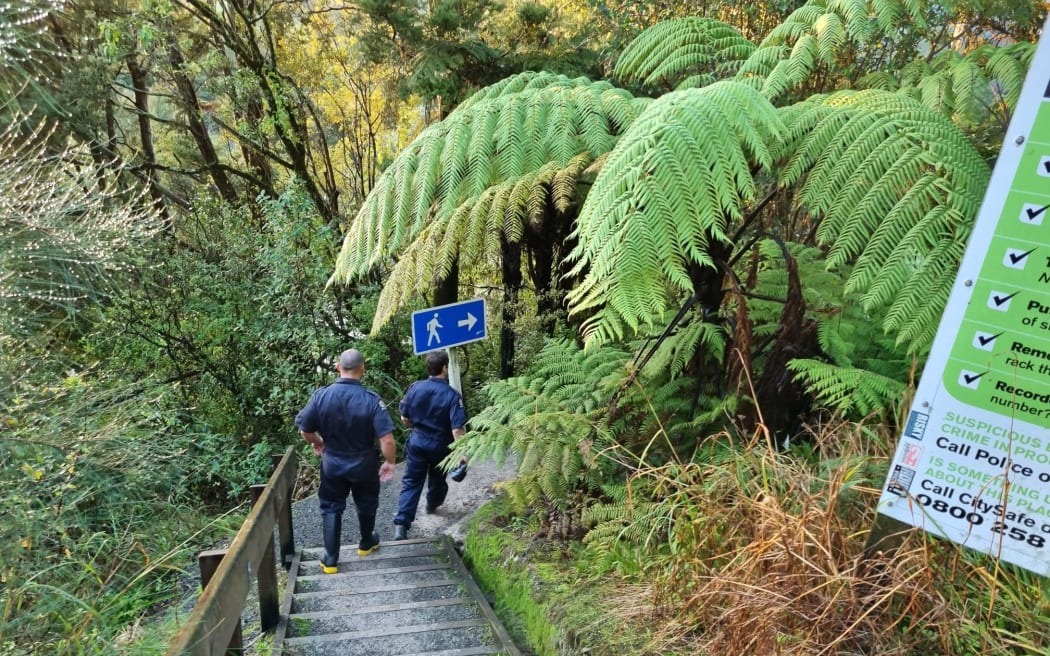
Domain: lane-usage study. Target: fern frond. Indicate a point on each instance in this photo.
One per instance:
(682, 53)
(965, 86)
(1007, 68)
(818, 33)
(896, 185)
(848, 390)
(672, 184)
(523, 130)
(676, 351)
(550, 420)
(971, 91)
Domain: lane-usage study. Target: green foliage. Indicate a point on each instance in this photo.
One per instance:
(820, 34)
(682, 53)
(864, 369)
(549, 600)
(897, 187)
(971, 88)
(89, 462)
(848, 390)
(69, 235)
(247, 354)
(675, 181)
(480, 175)
(27, 54)
(550, 421)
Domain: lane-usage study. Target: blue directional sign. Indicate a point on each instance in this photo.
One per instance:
(448, 325)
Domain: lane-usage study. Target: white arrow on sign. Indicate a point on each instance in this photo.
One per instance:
(468, 322)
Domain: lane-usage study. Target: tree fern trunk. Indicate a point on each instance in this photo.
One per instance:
(547, 244)
(510, 254)
(781, 400)
(446, 290)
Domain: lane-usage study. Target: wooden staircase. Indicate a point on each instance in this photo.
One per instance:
(408, 598)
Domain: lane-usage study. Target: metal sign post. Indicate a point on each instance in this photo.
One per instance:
(973, 463)
(455, 378)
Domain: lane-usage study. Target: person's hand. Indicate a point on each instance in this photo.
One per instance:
(386, 472)
(318, 446)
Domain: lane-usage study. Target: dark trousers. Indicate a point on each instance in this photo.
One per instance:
(343, 475)
(422, 458)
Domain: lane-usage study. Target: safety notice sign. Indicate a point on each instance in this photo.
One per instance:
(973, 463)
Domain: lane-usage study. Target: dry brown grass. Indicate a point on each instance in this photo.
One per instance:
(764, 556)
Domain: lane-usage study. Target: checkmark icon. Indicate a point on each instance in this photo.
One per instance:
(1044, 166)
(1000, 300)
(1033, 214)
(970, 379)
(985, 341)
(1015, 259)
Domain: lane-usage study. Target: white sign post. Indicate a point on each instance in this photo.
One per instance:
(973, 464)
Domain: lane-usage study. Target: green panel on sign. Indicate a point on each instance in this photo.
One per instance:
(1000, 359)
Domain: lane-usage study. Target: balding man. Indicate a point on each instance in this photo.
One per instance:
(342, 422)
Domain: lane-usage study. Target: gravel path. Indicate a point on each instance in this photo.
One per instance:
(451, 518)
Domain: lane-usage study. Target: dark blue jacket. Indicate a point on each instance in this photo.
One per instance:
(434, 409)
(348, 415)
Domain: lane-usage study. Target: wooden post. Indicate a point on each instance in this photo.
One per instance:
(266, 577)
(885, 539)
(208, 561)
(284, 518)
(214, 625)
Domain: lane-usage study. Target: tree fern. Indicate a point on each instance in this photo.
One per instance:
(677, 178)
(966, 87)
(472, 231)
(677, 350)
(853, 346)
(682, 53)
(897, 186)
(552, 421)
(818, 33)
(491, 154)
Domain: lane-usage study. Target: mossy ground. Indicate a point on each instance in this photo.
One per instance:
(536, 587)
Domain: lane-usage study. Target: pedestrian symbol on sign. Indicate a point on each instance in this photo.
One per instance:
(450, 325)
(432, 333)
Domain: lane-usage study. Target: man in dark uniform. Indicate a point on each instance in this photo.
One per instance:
(435, 413)
(342, 422)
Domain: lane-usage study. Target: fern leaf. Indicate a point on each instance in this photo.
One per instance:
(848, 390)
(521, 131)
(672, 184)
(682, 53)
(896, 185)
(819, 32)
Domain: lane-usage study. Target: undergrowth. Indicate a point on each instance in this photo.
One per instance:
(543, 596)
(747, 550)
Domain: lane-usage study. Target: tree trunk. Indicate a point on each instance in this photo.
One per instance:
(149, 156)
(546, 245)
(446, 290)
(510, 254)
(195, 123)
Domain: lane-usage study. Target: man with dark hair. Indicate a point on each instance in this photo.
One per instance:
(435, 413)
(342, 422)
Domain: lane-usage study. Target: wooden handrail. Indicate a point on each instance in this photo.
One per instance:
(216, 617)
